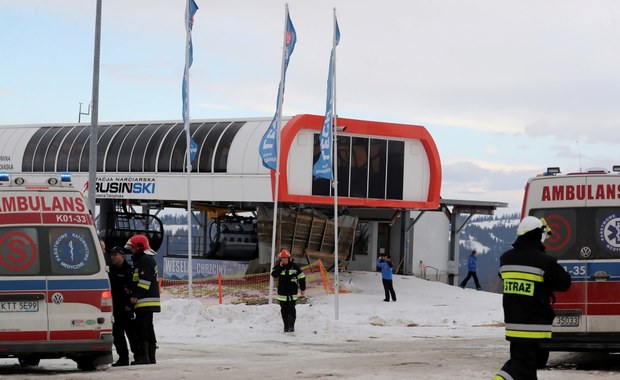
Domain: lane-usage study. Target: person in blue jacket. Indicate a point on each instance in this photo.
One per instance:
(472, 267)
(384, 263)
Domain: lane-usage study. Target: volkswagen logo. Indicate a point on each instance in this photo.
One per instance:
(57, 298)
(585, 252)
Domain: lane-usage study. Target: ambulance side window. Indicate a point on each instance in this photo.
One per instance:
(19, 252)
(72, 251)
(606, 232)
(566, 231)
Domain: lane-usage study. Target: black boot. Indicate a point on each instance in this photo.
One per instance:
(121, 363)
(152, 349)
(142, 358)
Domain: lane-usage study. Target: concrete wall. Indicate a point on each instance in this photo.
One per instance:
(430, 236)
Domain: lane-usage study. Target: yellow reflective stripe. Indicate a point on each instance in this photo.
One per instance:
(285, 298)
(522, 268)
(144, 286)
(147, 304)
(524, 288)
(502, 375)
(522, 276)
(301, 275)
(527, 327)
(528, 334)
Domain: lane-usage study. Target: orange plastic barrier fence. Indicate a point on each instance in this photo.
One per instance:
(247, 289)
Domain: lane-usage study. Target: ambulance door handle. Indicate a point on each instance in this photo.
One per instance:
(600, 276)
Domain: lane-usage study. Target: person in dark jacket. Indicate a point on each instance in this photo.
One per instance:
(121, 274)
(530, 277)
(144, 296)
(385, 265)
(472, 267)
(290, 280)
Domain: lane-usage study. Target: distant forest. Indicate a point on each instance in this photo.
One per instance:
(495, 233)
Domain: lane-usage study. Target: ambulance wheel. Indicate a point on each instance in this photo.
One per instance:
(542, 356)
(29, 362)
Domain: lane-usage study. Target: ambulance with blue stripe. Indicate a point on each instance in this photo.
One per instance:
(55, 298)
(583, 211)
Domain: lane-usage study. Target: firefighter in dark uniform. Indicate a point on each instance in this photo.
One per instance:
(144, 296)
(530, 277)
(121, 278)
(290, 280)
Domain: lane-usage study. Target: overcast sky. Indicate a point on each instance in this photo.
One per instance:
(506, 88)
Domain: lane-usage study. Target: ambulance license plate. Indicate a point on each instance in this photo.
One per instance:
(566, 321)
(19, 306)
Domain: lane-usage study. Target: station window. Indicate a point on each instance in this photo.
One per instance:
(126, 147)
(38, 164)
(52, 150)
(344, 153)
(208, 148)
(75, 154)
(223, 147)
(367, 168)
(62, 162)
(320, 186)
(114, 154)
(167, 148)
(377, 169)
(395, 169)
(29, 152)
(104, 137)
(199, 138)
(359, 167)
(144, 154)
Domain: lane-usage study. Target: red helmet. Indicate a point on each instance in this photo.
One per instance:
(139, 242)
(284, 254)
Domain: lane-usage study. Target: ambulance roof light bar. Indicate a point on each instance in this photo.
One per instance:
(552, 170)
(616, 168)
(63, 180)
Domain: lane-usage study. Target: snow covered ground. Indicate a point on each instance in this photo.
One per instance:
(434, 331)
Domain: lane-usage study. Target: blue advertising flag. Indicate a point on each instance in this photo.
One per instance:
(189, 56)
(268, 148)
(323, 167)
(189, 22)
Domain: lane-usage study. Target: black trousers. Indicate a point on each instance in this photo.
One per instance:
(388, 287)
(470, 275)
(289, 314)
(522, 362)
(145, 331)
(124, 326)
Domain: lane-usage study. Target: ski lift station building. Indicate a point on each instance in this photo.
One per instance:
(389, 182)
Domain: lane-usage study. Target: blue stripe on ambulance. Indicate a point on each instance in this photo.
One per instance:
(578, 272)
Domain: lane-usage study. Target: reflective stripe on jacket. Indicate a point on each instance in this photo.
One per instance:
(290, 280)
(145, 285)
(530, 277)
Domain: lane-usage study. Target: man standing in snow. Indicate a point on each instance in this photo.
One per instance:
(121, 274)
(530, 277)
(144, 296)
(385, 264)
(290, 280)
(472, 267)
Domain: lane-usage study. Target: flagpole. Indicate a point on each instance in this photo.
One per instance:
(277, 174)
(335, 156)
(188, 158)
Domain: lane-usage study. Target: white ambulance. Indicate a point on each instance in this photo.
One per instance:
(55, 298)
(583, 211)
